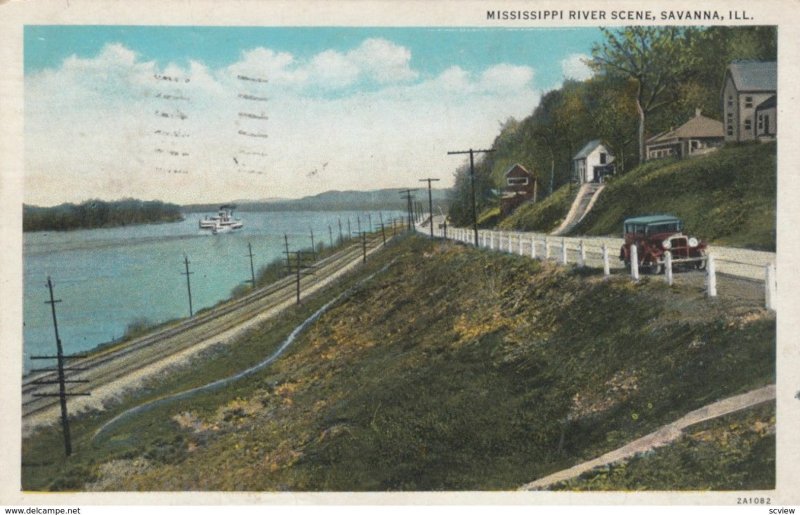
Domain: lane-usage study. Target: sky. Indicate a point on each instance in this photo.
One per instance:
(213, 114)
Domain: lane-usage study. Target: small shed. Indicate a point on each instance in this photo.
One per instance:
(767, 119)
(520, 186)
(700, 135)
(593, 163)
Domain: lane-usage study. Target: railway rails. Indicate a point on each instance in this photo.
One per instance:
(105, 366)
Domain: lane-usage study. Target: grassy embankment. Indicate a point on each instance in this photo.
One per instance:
(453, 369)
(734, 452)
(728, 197)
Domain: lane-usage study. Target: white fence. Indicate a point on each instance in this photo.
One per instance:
(596, 252)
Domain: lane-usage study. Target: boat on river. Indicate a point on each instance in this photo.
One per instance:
(223, 222)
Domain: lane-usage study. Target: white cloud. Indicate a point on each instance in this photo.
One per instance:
(94, 127)
(574, 67)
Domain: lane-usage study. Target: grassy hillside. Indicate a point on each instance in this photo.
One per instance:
(734, 452)
(544, 216)
(453, 369)
(728, 197)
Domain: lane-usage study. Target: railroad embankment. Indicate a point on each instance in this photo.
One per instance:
(452, 369)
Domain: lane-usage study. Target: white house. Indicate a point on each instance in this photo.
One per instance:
(593, 162)
(747, 84)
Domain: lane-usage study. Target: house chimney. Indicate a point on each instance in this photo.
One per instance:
(697, 111)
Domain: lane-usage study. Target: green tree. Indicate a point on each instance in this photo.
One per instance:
(654, 58)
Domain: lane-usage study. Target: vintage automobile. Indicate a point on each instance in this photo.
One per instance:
(654, 236)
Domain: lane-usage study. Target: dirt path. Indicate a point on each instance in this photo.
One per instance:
(664, 435)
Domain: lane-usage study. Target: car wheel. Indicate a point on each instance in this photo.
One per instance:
(654, 267)
(701, 265)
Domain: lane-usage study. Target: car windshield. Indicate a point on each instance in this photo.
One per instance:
(673, 226)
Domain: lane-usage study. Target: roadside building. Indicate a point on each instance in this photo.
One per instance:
(747, 85)
(700, 135)
(520, 186)
(767, 119)
(593, 163)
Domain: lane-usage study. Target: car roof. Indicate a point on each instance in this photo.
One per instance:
(652, 219)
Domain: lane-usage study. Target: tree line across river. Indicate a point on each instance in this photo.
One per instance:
(98, 213)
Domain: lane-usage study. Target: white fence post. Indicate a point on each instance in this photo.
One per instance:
(634, 263)
(606, 267)
(563, 251)
(769, 287)
(546, 248)
(491, 240)
(668, 266)
(533, 246)
(520, 244)
(582, 255)
(711, 276)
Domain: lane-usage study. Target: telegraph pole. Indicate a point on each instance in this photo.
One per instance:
(363, 235)
(369, 221)
(349, 231)
(471, 153)
(408, 196)
(300, 270)
(430, 200)
(286, 251)
(330, 235)
(340, 231)
(313, 249)
(62, 389)
(383, 229)
(252, 270)
(187, 273)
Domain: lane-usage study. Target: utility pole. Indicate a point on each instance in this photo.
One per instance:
(286, 251)
(369, 221)
(187, 273)
(358, 220)
(340, 231)
(313, 248)
(62, 388)
(408, 196)
(349, 231)
(430, 200)
(300, 270)
(330, 235)
(363, 235)
(383, 230)
(252, 270)
(471, 153)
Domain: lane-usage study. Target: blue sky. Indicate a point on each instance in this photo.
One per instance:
(373, 105)
(433, 49)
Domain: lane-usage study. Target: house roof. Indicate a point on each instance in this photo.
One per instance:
(517, 165)
(588, 149)
(754, 75)
(697, 127)
(768, 103)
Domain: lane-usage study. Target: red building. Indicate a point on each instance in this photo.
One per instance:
(520, 187)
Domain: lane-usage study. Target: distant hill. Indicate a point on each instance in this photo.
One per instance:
(335, 200)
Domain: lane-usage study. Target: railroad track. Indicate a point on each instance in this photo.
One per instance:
(106, 366)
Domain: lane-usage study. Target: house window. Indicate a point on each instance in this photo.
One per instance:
(517, 181)
(748, 101)
(602, 158)
(730, 100)
(760, 122)
(730, 115)
(730, 130)
(748, 124)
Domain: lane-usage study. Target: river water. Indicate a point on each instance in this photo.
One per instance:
(107, 278)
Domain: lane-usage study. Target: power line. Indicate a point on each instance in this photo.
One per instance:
(471, 153)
